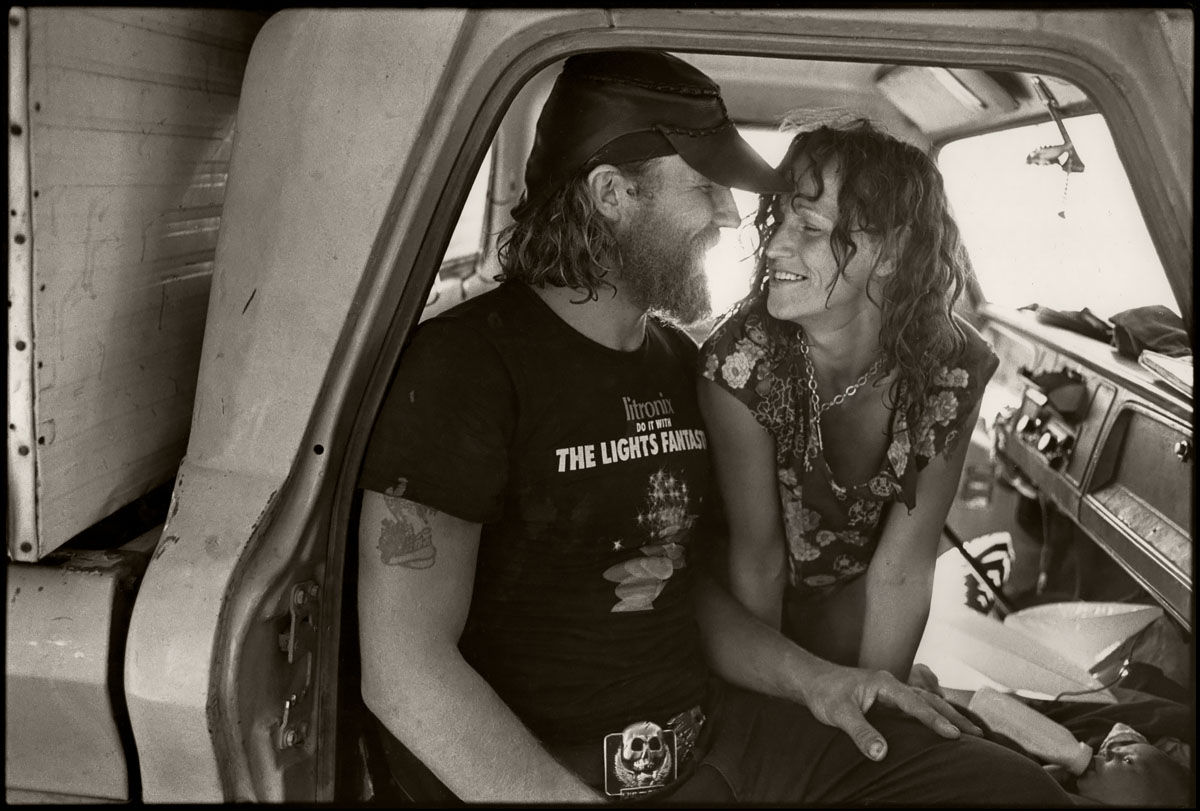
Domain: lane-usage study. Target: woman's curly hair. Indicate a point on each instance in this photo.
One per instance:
(565, 241)
(893, 191)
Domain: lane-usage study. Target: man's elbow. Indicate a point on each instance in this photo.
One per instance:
(395, 687)
(385, 699)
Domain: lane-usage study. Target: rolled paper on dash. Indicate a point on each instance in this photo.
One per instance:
(1039, 735)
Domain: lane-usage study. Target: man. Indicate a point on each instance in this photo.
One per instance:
(527, 621)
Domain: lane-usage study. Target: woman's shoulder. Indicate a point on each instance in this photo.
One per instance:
(747, 318)
(977, 358)
(952, 396)
(971, 368)
(741, 339)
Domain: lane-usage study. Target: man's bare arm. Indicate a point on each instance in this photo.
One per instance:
(416, 577)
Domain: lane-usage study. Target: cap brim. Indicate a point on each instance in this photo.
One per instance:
(726, 158)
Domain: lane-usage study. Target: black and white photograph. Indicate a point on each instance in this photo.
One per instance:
(699, 406)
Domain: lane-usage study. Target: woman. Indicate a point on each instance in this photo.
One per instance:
(840, 396)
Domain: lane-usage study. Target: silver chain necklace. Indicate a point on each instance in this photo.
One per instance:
(817, 408)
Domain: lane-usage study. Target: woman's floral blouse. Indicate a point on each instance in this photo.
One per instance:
(833, 527)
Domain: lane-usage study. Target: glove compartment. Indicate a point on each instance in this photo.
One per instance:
(1138, 501)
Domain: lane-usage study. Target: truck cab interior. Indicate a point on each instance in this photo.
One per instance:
(1082, 461)
(1067, 174)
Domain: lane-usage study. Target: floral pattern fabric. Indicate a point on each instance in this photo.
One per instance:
(832, 528)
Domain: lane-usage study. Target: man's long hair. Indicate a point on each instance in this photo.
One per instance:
(893, 191)
(566, 241)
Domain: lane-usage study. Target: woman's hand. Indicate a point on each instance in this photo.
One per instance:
(840, 696)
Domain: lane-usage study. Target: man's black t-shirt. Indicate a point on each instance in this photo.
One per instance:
(586, 467)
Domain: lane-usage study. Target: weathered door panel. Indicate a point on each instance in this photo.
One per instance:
(130, 116)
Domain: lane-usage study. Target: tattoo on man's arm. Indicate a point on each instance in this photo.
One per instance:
(406, 538)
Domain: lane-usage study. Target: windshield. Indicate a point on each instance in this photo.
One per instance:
(1034, 237)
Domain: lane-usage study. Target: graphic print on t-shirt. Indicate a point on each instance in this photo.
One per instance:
(650, 423)
(668, 510)
(665, 520)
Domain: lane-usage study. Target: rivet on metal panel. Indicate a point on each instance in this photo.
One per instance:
(298, 597)
(314, 590)
(1183, 450)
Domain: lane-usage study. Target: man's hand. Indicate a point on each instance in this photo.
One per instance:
(839, 696)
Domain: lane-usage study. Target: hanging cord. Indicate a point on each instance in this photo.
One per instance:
(1121, 673)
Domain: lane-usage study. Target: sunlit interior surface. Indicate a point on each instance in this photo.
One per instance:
(1039, 235)
(730, 265)
(1024, 225)
(1009, 213)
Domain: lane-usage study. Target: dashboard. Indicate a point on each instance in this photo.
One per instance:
(1104, 440)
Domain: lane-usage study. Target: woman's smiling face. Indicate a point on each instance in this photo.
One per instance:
(802, 268)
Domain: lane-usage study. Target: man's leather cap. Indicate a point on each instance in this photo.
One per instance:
(618, 106)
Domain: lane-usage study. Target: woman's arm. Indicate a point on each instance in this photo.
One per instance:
(746, 651)
(744, 458)
(900, 579)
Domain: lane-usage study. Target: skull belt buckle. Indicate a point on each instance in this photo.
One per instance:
(645, 757)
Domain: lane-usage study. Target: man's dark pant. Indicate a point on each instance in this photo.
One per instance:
(757, 749)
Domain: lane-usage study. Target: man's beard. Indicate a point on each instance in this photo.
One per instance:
(663, 270)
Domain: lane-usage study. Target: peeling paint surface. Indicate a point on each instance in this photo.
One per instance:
(166, 542)
(130, 136)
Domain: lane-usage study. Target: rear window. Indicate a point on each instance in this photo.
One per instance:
(468, 238)
(1039, 235)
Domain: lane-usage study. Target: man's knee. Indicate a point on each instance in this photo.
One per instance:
(1005, 776)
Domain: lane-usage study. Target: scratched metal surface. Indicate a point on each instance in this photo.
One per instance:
(60, 732)
(131, 119)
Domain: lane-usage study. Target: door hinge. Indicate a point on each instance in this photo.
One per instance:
(299, 643)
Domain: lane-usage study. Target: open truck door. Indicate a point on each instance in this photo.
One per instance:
(358, 137)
